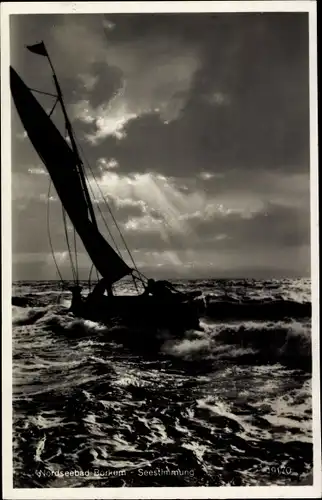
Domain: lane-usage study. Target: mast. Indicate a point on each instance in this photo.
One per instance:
(73, 143)
(63, 167)
(79, 162)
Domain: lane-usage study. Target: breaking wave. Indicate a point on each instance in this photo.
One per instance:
(227, 403)
(213, 307)
(252, 341)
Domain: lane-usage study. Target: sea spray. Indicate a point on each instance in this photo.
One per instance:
(223, 402)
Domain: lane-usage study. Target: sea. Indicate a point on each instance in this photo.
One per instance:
(228, 405)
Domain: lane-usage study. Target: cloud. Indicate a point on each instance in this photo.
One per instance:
(78, 42)
(197, 130)
(231, 94)
(257, 82)
(121, 79)
(104, 164)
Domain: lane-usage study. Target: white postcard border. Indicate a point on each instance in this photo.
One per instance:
(151, 493)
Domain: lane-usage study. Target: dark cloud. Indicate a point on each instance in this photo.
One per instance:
(216, 103)
(257, 66)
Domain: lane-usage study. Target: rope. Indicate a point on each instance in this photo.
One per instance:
(76, 257)
(68, 245)
(48, 217)
(115, 222)
(49, 236)
(74, 266)
(53, 108)
(89, 277)
(140, 275)
(111, 213)
(42, 92)
(98, 207)
(104, 221)
(135, 284)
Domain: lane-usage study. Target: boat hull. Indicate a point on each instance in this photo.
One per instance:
(172, 313)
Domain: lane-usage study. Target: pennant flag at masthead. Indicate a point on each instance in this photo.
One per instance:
(39, 48)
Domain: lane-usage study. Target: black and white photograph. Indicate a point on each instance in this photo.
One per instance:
(162, 229)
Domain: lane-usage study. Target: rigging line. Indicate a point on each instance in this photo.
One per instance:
(48, 213)
(90, 188)
(104, 221)
(76, 277)
(135, 284)
(111, 213)
(68, 245)
(49, 235)
(76, 257)
(119, 231)
(53, 108)
(41, 92)
(99, 209)
(90, 276)
(73, 143)
(66, 236)
(140, 276)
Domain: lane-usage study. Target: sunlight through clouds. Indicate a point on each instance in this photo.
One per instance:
(164, 210)
(156, 193)
(109, 119)
(196, 131)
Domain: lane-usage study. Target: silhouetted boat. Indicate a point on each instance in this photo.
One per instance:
(174, 311)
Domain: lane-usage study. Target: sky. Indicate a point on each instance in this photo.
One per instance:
(196, 127)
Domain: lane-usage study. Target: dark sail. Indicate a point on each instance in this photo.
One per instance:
(61, 164)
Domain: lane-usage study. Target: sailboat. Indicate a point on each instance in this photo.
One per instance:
(173, 310)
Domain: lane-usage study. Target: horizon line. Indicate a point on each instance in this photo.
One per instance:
(183, 278)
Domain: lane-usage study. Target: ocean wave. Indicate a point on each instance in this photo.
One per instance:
(212, 305)
(26, 315)
(256, 309)
(39, 299)
(251, 342)
(223, 402)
